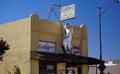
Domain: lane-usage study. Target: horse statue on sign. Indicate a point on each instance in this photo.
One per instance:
(67, 47)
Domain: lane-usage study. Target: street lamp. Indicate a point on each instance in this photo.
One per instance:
(102, 66)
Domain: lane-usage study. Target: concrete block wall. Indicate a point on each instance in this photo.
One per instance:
(17, 35)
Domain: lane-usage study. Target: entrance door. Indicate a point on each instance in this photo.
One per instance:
(47, 67)
(73, 68)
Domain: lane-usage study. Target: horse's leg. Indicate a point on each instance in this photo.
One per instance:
(64, 46)
(70, 47)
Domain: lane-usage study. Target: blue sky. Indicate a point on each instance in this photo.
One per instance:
(86, 13)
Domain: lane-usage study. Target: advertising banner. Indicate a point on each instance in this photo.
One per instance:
(76, 50)
(47, 47)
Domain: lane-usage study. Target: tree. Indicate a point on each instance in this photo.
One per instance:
(3, 48)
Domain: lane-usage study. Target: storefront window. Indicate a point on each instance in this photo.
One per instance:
(73, 68)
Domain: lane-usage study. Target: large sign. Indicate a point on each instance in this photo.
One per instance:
(67, 12)
(47, 47)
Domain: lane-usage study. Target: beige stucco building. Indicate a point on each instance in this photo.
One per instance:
(28, 36)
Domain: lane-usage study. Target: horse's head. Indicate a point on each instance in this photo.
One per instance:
(71, 30)
(66, 25)
(68, 31)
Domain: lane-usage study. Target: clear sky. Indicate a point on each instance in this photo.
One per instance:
(86, 13)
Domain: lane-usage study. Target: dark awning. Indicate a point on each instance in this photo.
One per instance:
(63, 58)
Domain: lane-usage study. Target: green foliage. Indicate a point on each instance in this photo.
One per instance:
(3, 48)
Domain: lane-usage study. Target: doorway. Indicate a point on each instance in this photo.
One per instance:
(47, 67)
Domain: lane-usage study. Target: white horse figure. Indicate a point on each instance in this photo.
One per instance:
(67, 39)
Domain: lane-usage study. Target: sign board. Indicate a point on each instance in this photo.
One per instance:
(47, 47)
(76, 50)
(50, 67)
(67, 12)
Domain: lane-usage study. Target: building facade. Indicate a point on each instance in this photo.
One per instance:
(36, 48)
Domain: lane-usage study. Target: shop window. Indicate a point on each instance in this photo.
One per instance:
(73, 68)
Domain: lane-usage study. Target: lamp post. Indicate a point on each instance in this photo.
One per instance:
(102, 66)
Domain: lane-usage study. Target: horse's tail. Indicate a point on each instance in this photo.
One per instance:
(63, 48)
